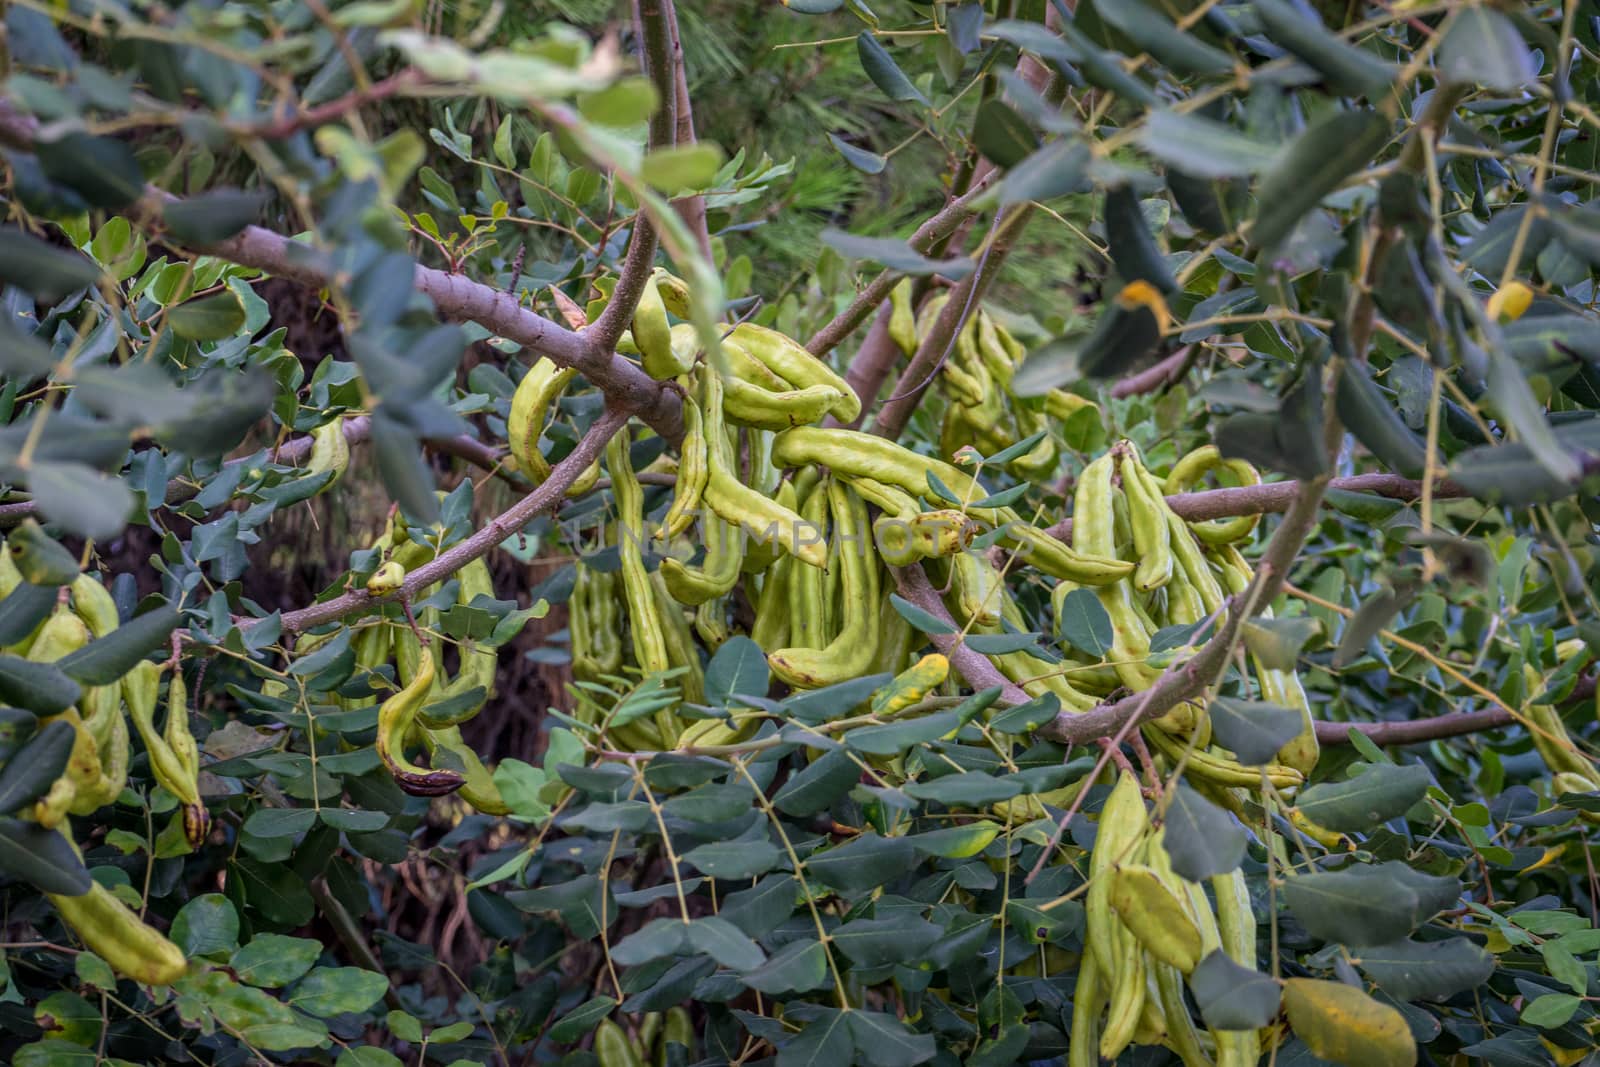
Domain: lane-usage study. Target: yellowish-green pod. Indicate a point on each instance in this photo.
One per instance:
(689, 488)
(761, 517)
(724, 549)
(853, 651)
(649, 645)
(978, 588)
(1083, 1049)
(807, 614)
(1093, 534)
(112, 931)
(447, 749)
(911, 685)
(652, 333)
(1147, 519)
(902, 317)
(330, 451)
(789, 360)
(1157, 917)
(396, 718)
(770, 630)
(681, 650)
(1188, 471)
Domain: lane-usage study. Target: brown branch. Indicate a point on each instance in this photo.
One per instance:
(870, 367)
(971, 665)
(1271, 497)
(1454, 724)
(292, 121)
(548, 495)
(1415, 731)
(656, 22)
(935, 347)
(1152, 378)
(294, 451)
(454, 296)
(935, 229)
(691, 209)
(1189, 679)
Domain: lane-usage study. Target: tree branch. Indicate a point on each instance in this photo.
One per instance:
(548, 495)
(691, 209)
(656, 22)
(935, 347)
(1415, 731)
(1272, 497)
(1152, 378)
(935, 229)
(973, 666)
(1189, 679)
(454, 296)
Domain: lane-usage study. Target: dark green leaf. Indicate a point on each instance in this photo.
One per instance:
(581, 1020)
(1085, 623)
(106, 659)
(1157, 35)
(824, 1041)
(922, 620)
(39, 687)
(734, 859)
(22, 611)
(739, 667)
(1432, 970)
(1378, 794)
(46, 272)
(817, 785)
(1002, 135)
(1133, 247)
(80, 499)
(1485, 48)
(1202, 147)
(1252, 729)
(1357, 906)
(205, 925)
(798, 967)
(1202, 840)
(895, 254)
(1370, 618)
(883, 70)
(725, 943)
(212, 216)
(863, 864)
(859, 158)
(892, 738)
(1313, 165)
(34, 770)
(1231, 996)
(884, 1041)
(1347, 70)
(103, 170)
(280, 822)
(208, 318)
(654, 940)
(876, 942)
(1055, 170)
(42, 858)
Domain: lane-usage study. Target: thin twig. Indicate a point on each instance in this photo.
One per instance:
(971, 665)
(548, 495)
(1271, 497)
(1189, 679)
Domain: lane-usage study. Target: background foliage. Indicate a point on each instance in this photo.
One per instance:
(1318, 189)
